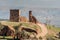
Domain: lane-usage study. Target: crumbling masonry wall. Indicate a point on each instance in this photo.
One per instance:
(14, 15)
(32, 18)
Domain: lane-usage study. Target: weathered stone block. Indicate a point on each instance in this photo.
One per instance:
(14, 15)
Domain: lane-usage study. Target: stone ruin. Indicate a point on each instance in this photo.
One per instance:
(23, 19)
(15, 17)
(32, 18)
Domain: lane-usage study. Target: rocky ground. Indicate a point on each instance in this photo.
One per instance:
(26, 30)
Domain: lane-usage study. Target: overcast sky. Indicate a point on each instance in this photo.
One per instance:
(41, 8)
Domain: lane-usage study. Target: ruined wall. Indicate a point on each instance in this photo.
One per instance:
(14, 15)
(32, 18)
(23, 19)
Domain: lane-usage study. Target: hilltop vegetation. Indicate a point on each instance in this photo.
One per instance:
(52, 30)
(17, 26)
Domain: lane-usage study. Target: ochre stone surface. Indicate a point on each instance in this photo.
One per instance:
(15, 17)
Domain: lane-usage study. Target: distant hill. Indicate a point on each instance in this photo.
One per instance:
(4, 19)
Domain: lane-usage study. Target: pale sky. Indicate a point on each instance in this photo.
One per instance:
(41, 8)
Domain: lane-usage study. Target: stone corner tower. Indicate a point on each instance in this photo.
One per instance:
(14, 15)
(30, 15)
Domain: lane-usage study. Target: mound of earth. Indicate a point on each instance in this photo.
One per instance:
(24, 29)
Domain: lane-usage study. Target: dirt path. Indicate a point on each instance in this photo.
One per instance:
(44, 30)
